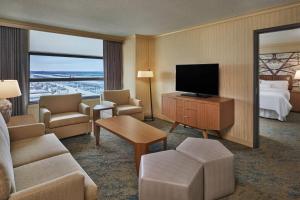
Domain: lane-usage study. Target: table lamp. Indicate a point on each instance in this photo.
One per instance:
(8, 89)
(297, 76)
(148, 74)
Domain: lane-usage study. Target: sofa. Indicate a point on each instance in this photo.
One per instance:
(123, 104)
(37, 166)
(65, 115)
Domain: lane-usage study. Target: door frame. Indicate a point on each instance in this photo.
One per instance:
(256, 34)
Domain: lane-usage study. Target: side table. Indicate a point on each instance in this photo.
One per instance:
(295, 99)
(96, 115)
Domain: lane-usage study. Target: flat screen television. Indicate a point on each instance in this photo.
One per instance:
(198, 79)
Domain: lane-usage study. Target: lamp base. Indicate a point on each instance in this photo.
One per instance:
(5, 109)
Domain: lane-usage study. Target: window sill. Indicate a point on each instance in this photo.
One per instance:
(91, 97)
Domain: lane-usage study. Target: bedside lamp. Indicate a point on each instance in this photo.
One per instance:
(297, 75)
(8, 89)
(148, 74)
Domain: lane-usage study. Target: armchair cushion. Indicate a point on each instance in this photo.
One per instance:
(34, 149)
(26, 131)
(120, 97)
(60, 103)
(128, 109)
(68, 187)
(7, 179)
(69, 118)
(49, 169)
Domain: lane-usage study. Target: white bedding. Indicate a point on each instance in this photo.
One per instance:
(274, 103)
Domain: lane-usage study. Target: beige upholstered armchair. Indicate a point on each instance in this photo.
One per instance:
(65, 115)
(123, 104)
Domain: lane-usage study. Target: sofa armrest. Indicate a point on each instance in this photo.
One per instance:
(45, 116)
(135, 102)
(26, 131)
(84, 109)
(68, 187)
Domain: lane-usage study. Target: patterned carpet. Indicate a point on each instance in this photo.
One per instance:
(270, 172)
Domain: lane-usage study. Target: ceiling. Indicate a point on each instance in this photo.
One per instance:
(280, 37)
(127, 17)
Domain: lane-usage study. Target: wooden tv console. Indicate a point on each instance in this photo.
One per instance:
(212, 113)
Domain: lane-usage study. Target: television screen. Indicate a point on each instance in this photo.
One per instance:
(202, 79)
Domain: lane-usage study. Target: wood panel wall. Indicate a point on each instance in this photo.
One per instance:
(138, 55)
(229, 43)
(129, 71)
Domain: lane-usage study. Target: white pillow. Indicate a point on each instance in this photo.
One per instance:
(280, 85)
(277, 84)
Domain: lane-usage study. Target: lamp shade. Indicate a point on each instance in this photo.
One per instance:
(9, 89)
(297, 75)
(145, 74)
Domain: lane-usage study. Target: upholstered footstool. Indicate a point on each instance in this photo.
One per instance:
(170, 175)
(217, 161)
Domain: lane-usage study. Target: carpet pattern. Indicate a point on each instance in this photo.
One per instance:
(269, 172)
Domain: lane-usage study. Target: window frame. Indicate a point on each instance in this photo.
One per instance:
(37, 53)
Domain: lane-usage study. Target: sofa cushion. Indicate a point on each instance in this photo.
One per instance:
(128, 109)
(120, 97)
(36, 148)
(61, 103)
(48, 169)
(69, 118)
(7, 179)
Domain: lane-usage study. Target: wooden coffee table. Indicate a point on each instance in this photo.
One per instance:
(140, 134)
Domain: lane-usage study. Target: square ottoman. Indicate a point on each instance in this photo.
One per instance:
(170, 175)
(218, 165)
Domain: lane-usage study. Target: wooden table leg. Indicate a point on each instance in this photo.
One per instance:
(96, 116)
(139, 150)
(165, 144)
(173, 126)
(205, 134)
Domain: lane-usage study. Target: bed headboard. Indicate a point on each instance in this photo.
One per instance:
(288, 78)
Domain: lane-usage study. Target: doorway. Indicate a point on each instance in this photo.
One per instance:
(276, 88)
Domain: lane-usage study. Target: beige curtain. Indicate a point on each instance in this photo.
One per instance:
(113, 65)
(14, 63)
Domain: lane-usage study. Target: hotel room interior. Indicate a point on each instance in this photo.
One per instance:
(149, 100)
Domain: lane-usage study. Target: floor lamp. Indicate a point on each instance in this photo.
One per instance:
(8, 89)
(148, 74)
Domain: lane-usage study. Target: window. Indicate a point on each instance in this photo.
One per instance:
(62, 64)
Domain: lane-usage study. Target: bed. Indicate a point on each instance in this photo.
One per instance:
(274, 96)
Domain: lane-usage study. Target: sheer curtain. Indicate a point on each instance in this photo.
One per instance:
(113, 65)
(14, 64)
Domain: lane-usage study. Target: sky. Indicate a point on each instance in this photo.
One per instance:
(64, 44)
(67, 44)
(50, 63)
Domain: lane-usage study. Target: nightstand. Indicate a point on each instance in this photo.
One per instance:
(295, 99)
(21, 120)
